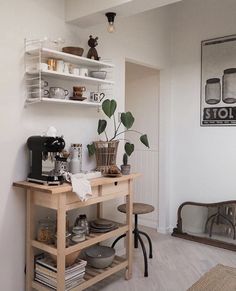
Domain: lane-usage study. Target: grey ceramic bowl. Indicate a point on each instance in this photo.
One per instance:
(100, 257)
(98, 74)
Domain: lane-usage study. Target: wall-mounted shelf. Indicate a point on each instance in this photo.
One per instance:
(49, 53)
(65, 76)
(36, 75)
(62, 101)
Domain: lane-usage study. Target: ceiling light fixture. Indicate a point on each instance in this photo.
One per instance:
(111, 17)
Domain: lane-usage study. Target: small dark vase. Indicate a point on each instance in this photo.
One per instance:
(125, 169)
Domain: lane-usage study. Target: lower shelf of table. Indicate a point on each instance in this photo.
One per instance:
(92, 275)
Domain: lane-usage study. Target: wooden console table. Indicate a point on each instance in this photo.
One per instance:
(62, 199)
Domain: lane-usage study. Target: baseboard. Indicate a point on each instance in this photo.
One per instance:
(148, 223)
(166, 230)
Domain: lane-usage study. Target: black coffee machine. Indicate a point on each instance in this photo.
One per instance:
(44, 150)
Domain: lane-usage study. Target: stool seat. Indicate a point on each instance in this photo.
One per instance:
(138, 208)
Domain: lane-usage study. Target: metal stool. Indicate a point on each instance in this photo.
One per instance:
(138, 208)
(215, 218)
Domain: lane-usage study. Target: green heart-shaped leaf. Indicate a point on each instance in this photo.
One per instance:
(109, 107)
(144, 140)
(129, 148)
(127, 119)
(102, 124)
(91, 149)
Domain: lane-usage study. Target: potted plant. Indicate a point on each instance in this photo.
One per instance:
(106, 151)
(125, 168)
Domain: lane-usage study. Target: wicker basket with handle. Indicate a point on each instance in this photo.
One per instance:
(106, 152)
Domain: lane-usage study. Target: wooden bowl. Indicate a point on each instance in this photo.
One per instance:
(70, 259)
(78, 51)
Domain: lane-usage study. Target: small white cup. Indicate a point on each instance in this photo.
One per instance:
(83, 72)
(67, 68)
(60, 66)
(75, 71)
(42, 66)
(36, 93)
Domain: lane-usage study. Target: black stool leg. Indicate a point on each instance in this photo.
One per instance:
(230, 222)
(135, 231)
(208, 219)
(211, 227)
(149, 242)
(117, 239)
(144, 256)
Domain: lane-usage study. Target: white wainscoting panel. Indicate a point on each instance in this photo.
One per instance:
(146, 187)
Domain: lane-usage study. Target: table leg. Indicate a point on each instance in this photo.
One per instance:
(99, 210)
(129, 240)
(29, 237)
(99, 205)
(61, 230)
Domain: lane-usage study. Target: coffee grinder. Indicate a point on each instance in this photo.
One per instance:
(44, 151)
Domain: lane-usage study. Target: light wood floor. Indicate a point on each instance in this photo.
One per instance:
(176, 265)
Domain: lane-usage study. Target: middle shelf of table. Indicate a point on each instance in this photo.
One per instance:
(91, 239)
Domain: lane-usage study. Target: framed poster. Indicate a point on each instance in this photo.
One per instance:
(218, 82)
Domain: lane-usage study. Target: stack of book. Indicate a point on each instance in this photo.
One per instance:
(46, 272)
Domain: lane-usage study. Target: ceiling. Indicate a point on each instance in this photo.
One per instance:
(85, 13)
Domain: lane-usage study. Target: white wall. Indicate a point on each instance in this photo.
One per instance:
(202, 159)
(144, 38)
(142, 86)
(31, 19)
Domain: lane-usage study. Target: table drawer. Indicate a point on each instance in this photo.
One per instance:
(116, 187)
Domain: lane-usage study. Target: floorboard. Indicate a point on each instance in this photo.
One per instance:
(176, 265)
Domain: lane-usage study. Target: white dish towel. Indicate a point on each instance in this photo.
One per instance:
(81, 186)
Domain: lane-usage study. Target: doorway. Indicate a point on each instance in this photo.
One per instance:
(142, 86)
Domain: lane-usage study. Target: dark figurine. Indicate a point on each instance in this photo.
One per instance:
(92, 53)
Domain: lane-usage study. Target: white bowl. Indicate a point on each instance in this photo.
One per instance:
(98, 74)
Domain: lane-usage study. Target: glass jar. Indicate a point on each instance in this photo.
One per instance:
(75, 158)
(229, 86)
(46, 230)
(81, 220)
(78, 234)
(213, 91)
(67, 239)
(61, 166)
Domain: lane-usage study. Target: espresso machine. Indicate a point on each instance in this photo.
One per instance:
(44, 151)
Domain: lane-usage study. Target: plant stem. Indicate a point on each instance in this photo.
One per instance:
(125, 139)
(106, 135)
(127, 130)
(117, 128)
(114, 123)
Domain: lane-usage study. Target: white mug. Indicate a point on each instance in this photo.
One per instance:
(67, 68)
(39, 92)
(60, 66)
(39, 84)
(83, 72)
(75, 71)
(42, 66)
(96, 97)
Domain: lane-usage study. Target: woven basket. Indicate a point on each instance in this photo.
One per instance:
(106, 152)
